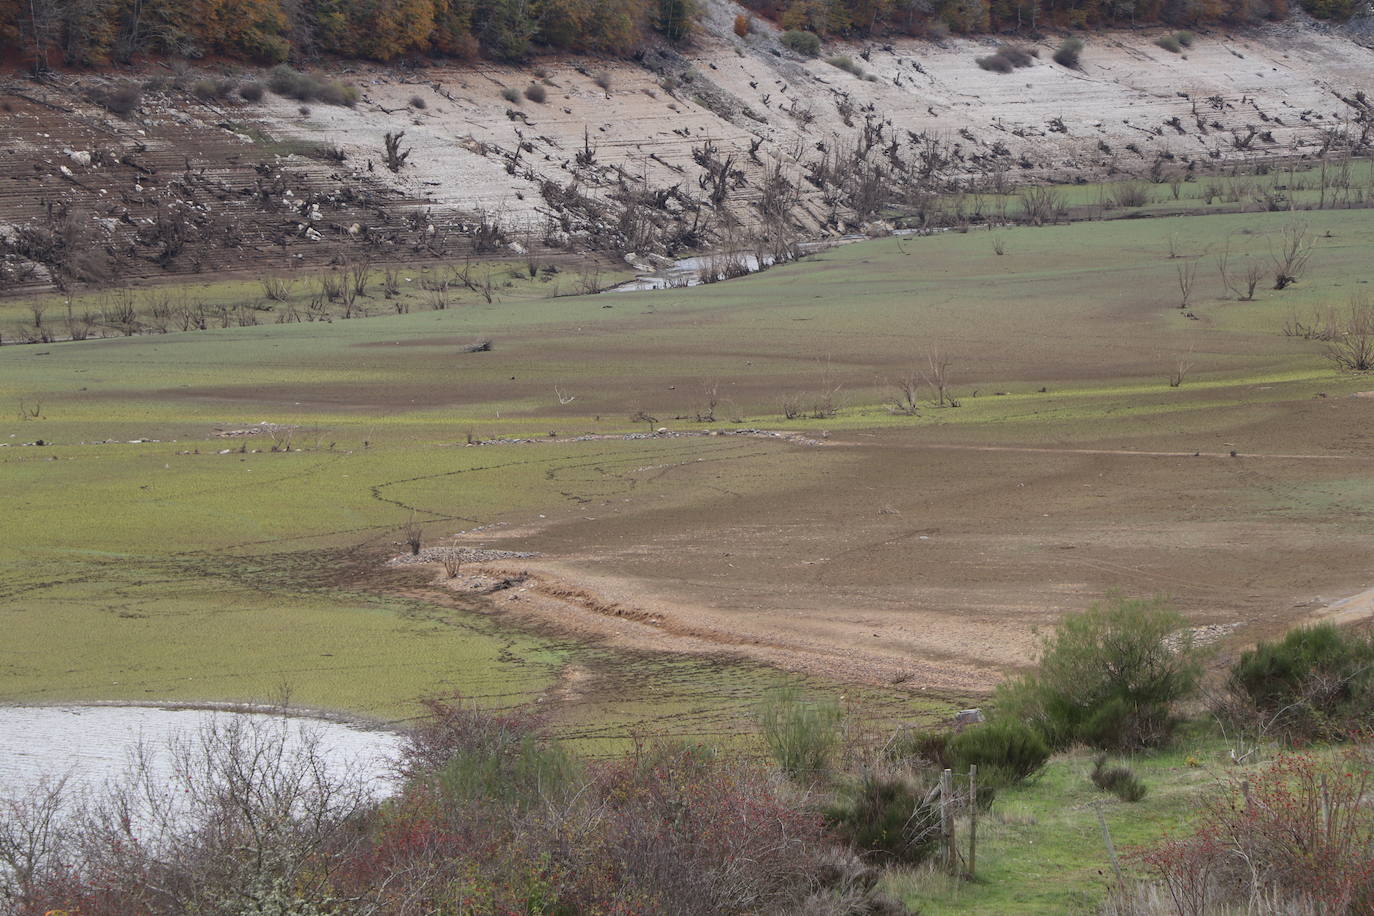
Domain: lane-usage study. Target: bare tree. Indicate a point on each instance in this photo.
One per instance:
(908, 387)
(1187, 274)
(936, 375)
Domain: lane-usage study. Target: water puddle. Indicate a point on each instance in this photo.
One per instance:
(91, 745)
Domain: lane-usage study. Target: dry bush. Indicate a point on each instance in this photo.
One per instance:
(121, 100)
(1129, 194)
(277, 289)
(1296, 835)
(1352, 349)
(1006, 59)
(536, 93)
(1042, 205)
(1069, 53)
(412, 535)
(306, 87)
(393, 157)
(1291, 255)
(248, 810)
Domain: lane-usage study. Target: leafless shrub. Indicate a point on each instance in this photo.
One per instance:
(710, 401)
(247, 810)
(1180, 371)
(1129, 194)
(603, 81)
(453, 563)
(391, 283)
(1323, 325)
(907, 387)
(34, 835)
(332, 287)
(999, 245)
(277, 289)
(791, 406)
(412, 535)
(359, 275)
(1042, 205)
(1291, 255)
(1353, 347)
(118, 311)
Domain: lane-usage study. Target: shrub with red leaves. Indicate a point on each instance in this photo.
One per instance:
(1301, 831)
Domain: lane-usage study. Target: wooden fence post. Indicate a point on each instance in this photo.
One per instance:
(972, 820)
(1111, 848)
(947, 820)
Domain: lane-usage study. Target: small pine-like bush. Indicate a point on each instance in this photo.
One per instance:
(1069, 53)
(1118, 780)
(1006, 752)
(995, 63)
(1006, 59)
(807, 44)
(801, 732)
(536, 93)
(305, 87)
(1316, 682)
(845, 63)
(1109, 677)
(511, 94)
(122, 100)
(1185, 38)
(1169, 43)
(888, 818)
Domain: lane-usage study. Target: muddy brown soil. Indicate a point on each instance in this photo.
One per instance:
(917, 559)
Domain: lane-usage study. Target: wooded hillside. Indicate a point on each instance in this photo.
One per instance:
(79, 33)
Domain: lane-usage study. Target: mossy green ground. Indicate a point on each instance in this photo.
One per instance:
(164, 569)
(1041, 848)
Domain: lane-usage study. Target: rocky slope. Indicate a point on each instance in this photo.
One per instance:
(738, 138)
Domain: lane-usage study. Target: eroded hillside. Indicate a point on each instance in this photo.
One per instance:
(739, 142)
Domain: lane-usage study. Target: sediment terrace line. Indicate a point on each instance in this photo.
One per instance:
(1135, 453)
